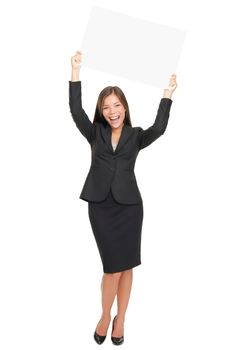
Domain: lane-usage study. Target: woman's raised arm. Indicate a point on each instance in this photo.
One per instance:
(83, 123)
(146, 137)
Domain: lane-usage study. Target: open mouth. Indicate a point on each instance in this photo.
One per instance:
(114, 119)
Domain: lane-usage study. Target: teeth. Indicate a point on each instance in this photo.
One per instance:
(113, 118)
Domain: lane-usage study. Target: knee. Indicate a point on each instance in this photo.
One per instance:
(115, 276)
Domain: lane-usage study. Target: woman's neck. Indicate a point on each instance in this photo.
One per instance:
(118, 130)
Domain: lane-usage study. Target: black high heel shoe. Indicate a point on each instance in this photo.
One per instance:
(99, 338)
(116, 340)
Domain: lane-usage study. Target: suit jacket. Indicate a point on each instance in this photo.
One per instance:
(111, 169)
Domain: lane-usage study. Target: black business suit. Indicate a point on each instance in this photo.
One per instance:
(111, 182)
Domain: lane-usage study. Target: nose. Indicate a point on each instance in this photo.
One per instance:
(112, 110)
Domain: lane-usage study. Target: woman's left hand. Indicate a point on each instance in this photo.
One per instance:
(171, 87)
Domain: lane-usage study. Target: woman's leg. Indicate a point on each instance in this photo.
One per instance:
(123, 295)
(109, 287)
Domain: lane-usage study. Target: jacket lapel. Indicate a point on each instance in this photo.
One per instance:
(126, 131)
(107, 135)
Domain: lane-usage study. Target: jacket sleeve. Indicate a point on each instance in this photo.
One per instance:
(146, 137)
(83, 123)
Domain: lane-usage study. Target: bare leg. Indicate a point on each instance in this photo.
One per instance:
(123, 295)
(109, 287)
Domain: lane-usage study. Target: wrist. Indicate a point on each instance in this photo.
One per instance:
(76, 69)
(167, 93)
(75, 74)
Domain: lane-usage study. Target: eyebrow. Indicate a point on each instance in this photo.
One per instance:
(113, 103)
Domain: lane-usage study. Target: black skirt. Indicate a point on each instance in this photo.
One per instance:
(117, 231)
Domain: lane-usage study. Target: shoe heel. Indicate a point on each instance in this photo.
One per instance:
(116, 340)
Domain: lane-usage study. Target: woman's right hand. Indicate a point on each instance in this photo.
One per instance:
(76, 60)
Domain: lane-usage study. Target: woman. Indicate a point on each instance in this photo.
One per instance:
(115, 204)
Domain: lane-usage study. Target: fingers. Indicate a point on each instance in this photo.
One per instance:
(173, 77)
(78, 55)
(172, 81)
(76, 59)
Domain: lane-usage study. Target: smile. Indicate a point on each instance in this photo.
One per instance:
(114, 118)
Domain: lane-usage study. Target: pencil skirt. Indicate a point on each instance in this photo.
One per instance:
(117, 230)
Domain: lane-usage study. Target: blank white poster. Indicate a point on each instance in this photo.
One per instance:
(130, 47)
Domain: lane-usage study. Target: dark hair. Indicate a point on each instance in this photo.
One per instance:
(98, 117)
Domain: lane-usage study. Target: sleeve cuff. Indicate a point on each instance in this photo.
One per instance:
(75, 82)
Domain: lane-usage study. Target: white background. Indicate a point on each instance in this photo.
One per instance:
(50, 266)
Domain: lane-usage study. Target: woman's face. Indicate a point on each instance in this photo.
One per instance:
(113, 111)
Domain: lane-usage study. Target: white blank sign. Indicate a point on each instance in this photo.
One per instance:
(130, 47)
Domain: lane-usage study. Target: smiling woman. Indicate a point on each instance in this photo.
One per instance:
(112, 108)
(115, 205)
